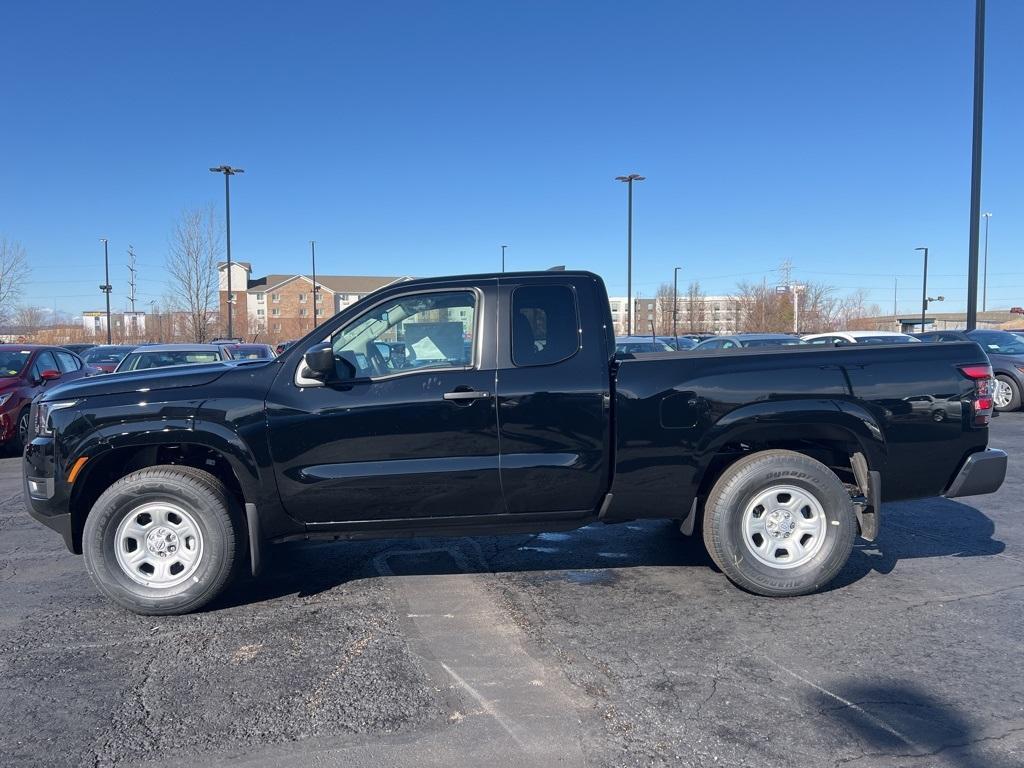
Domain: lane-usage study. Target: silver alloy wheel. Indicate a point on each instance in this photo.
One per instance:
(158, 544)
(784, 526)
(1003, 395)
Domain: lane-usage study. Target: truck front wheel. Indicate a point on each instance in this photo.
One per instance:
(779, 523)
(163, 540)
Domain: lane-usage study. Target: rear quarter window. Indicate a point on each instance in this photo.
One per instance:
(545, 325)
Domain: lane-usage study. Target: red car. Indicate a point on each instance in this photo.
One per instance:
(25, 371)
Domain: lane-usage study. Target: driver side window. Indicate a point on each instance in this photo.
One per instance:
(419, 331)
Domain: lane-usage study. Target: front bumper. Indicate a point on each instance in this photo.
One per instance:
(981, 472)
(47, 499)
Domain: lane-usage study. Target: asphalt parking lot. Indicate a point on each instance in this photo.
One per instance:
(607, 646)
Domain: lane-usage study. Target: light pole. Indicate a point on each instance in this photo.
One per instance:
(675, 302)
(312, 252)
(979, 106)
(924, 287)
(984, 282)
(503, 257)
(228, 172)
(629, 249)
(106, 287)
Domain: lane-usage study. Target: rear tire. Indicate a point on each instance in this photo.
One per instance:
(164, 540)
(779, 524)
(1008, 393)
(20, 438)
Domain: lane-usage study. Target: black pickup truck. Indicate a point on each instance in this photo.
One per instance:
(494, 404)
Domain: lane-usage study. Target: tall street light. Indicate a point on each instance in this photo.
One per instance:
(984, 282)
(312, 252)
(979, 105)
(228, 172)
(503, 257)
(629, 250)
(924, 287)
(675, 302)
(106, 287)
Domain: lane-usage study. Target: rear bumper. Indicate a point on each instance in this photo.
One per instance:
(981, 472)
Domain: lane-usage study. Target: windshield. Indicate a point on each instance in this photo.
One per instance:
(138, 361)
(885, 339)
(632, 347)
(106, 355)
(12, 362)
(999, 342)
(256, 352)
(771, 342)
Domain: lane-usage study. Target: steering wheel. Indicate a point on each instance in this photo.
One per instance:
(376, 358)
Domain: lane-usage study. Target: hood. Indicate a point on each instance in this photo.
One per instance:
(153, 380)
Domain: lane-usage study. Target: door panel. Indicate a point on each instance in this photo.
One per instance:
(390, 444)
(552, 389)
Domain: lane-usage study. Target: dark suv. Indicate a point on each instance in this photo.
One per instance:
(1005, 350)
(25, 371)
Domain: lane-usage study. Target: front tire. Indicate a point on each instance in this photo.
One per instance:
(163, 540)
(1007, 395)
(779, 524)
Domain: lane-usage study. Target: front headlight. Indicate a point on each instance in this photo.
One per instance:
(5, 397)
(43, 427)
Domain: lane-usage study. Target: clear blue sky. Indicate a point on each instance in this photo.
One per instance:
(414, 137)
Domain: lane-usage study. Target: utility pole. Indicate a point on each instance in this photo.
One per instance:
(675, 302)
(629, 247)
(979, 106)
(984, 281)
(924, 289)
(131, 278)
(106, 287)
(503, 257)
(228, 172)
(312, 252)
(895, 285)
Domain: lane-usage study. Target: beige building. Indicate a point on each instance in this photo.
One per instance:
(713, 314)
(281, 306)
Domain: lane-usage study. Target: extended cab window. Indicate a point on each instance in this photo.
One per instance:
(545, 325)
(421, 331)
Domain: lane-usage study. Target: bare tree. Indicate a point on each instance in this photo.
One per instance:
(695, 309)
(29, 320)
(14, 272)
(663, 309)
(193, 250)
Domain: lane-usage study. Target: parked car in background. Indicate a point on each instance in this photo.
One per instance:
(859, 337)
(78, 349)
(749, 341)
(1005, 350)
(106, 357)
(678, 343)
(283, 346)
(630, 345)
(231, 340)
(167, 355)
(25, 371)
(251, 351)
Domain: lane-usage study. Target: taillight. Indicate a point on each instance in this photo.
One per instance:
(984, 389)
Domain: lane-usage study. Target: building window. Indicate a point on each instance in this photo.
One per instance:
(343, 297)
(277, 326)
(319, 297)
(302, 298)
(302, 312)
(319, 312)
(232, 296)
(260, 312)
(275, 297)
(260, 296)
(275, 312)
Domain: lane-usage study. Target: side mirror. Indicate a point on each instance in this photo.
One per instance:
(49, 374)
(319, 362)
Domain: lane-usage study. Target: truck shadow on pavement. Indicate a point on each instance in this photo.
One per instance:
(916, 529)
(930, 528)
(901, 720)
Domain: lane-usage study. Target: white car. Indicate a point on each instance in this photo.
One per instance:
(859, 337)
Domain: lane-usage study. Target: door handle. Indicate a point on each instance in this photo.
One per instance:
(466, 394)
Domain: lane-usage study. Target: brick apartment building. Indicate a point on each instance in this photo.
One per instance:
(276, 307)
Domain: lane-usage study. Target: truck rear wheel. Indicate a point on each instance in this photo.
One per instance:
(163, 540)
(778, 523)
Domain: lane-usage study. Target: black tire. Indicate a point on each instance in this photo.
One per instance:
(207, 509)
(730, 500)
(1014, 404)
